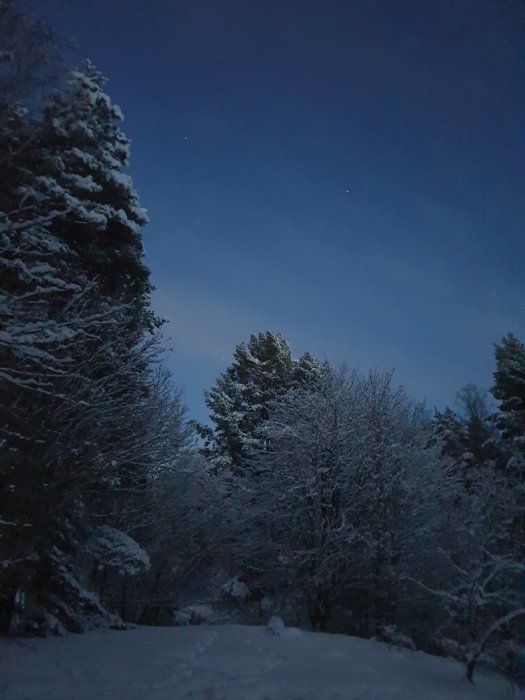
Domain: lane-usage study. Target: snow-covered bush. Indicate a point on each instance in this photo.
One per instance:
(276, 625)
(235, 588)
(197, 614)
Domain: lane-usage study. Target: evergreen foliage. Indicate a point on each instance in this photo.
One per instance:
(509, 376)
(88, 425)
(262, 370)
(509, 389)
(469, 438)
(82, 174)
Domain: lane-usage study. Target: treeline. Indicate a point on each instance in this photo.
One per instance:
(357, 512)
(316, 493)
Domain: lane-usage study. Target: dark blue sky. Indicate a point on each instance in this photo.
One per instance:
(350, 173)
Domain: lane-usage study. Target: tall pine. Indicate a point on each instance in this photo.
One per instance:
(75, 347)
(262, 370)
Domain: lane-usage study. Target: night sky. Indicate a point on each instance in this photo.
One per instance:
(350, 174)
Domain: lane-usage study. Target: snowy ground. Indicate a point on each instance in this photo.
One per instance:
(229, 663)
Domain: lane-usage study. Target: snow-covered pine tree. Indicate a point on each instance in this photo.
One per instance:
(469, 437)
(262, 370)
(74, 356)
(307, 370)
(81, 173)
(70, 214)
(450, 432)
(509, 389)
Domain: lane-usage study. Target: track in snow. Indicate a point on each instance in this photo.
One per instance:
(229, 662)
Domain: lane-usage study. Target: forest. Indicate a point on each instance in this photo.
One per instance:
(320, 494)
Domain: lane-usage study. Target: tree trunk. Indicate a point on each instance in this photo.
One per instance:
(124, 601)
(318, 615)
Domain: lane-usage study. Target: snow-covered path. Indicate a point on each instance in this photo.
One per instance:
(230, 662)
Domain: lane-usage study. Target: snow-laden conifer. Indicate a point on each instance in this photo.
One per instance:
(262, 370)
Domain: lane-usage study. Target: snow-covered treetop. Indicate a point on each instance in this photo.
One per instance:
(262, 369)
(509, 377)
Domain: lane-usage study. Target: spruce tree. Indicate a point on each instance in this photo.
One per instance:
(509, 389)
(469, 437)
(74, 347)
(509, 385)
(81, 172)
(263, 369)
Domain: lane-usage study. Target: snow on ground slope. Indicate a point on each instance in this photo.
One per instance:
(230, 662)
